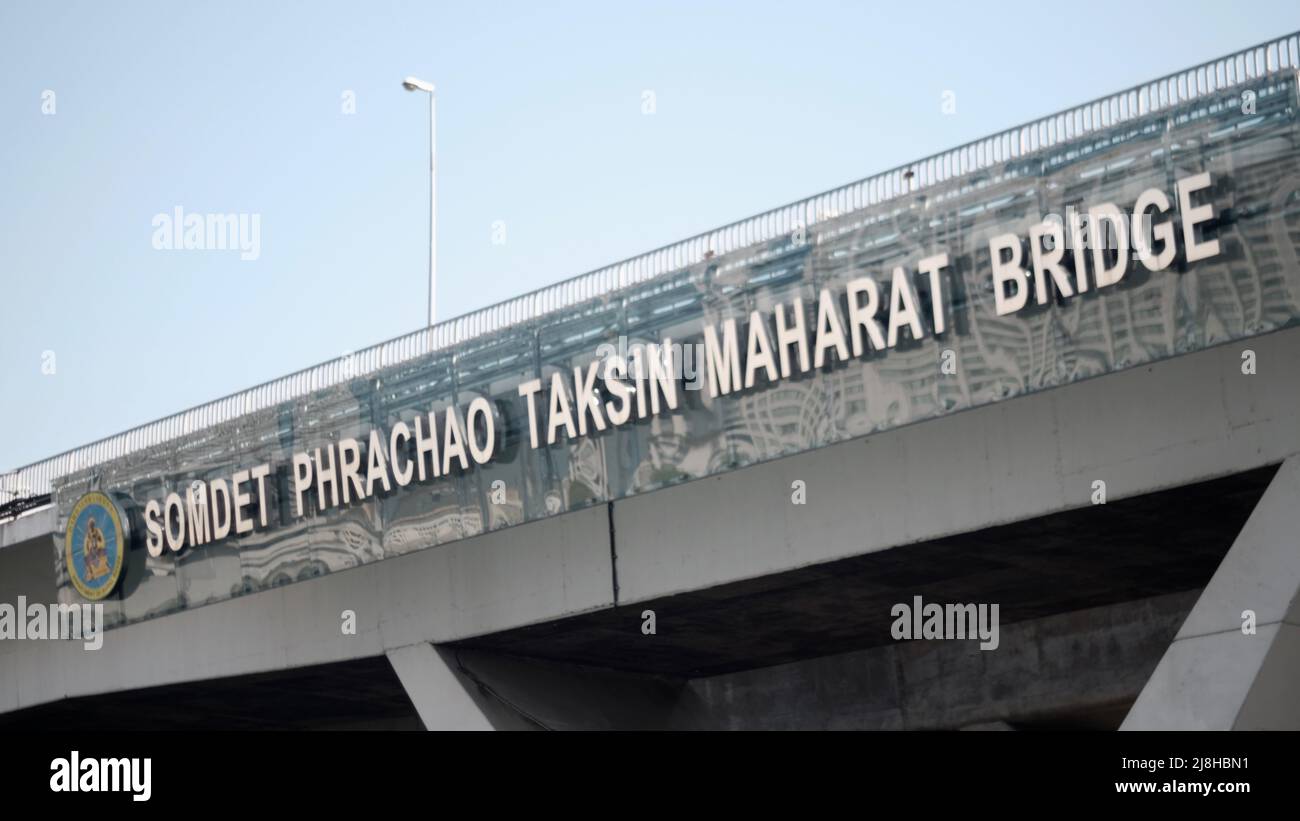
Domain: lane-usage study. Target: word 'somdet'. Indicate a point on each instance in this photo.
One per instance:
(338, 473)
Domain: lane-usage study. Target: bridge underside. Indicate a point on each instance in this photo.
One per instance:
(1090, 600)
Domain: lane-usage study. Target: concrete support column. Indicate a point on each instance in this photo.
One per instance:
(1218, 674)
(436, 689)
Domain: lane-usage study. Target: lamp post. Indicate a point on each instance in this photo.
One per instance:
(413, 84)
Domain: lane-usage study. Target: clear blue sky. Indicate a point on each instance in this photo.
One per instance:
(236, 107)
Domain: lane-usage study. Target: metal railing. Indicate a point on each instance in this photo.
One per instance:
(1282, 54)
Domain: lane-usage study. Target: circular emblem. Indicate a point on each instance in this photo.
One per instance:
(94, 545)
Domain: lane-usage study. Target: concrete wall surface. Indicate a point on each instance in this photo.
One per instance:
(1178, 421)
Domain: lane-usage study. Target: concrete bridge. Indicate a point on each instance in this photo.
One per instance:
(1119, 472)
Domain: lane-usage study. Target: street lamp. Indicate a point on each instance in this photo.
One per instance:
(414, 84)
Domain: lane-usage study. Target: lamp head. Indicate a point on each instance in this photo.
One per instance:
(416, 84)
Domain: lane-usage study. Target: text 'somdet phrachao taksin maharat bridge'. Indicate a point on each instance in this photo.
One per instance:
(1042, 386)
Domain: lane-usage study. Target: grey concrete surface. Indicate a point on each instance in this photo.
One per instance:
(1175, 422)
(1074, 670)
(561, 566)
(27, 569)
(30, 525)
(520, 693)
(1179, 421)
(440, 696)
(1218, 675)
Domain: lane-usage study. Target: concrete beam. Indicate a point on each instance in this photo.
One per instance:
(544, 571)
(1215, 675)
(1006, 462)
(31, 525)
(1172, 423)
